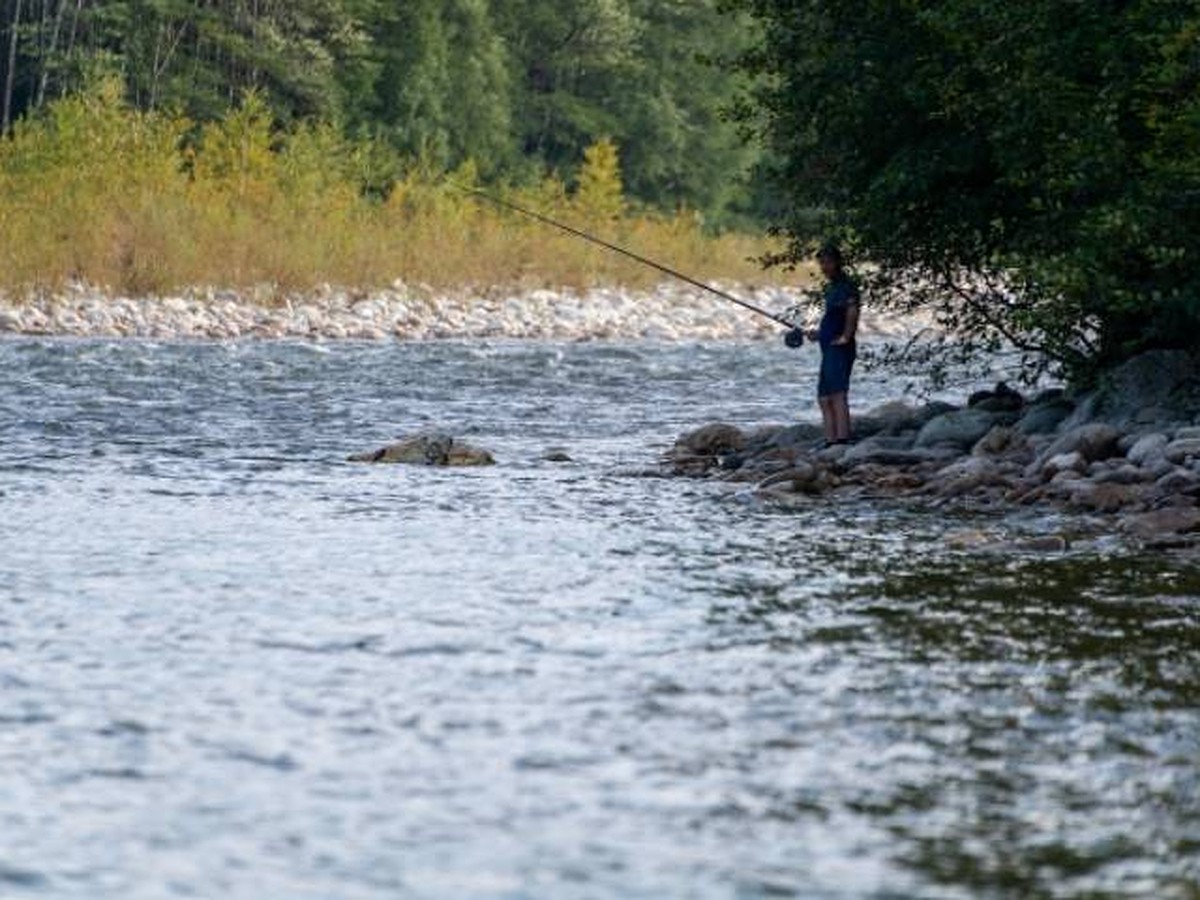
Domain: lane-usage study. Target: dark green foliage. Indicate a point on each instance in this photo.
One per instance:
(1027, 170)
(518, 87)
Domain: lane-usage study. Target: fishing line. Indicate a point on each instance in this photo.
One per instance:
(795, 336)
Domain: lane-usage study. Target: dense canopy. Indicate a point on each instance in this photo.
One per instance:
(518, 87)
(1027, 169)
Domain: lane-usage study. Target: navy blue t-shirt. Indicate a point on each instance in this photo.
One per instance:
(840, 295)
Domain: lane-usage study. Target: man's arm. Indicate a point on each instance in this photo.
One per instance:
(851, 330)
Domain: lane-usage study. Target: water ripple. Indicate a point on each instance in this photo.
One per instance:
(231, 664)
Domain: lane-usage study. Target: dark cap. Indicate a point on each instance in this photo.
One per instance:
(830, 251)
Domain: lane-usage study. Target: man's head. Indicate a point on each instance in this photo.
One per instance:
(830, 259)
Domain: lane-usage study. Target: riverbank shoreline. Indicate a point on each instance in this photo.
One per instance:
(1125, 456)
(669, 312)
(399, 313)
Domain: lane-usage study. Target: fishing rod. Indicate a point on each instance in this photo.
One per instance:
(795, 336)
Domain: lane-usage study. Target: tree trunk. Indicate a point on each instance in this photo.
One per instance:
(48, 59)
(10, 77)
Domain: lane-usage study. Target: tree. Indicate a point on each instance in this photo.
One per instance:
(442, 93)
(1028, 171)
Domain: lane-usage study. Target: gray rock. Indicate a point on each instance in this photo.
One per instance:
(1127, 442)
(1045, 417)
(1106, 498)
(1057, 464)
(798, 478)
(961, 429)
(1148, 448)
(832, 455)
(897, 417)
(1156, 469)
(1180, 451)
(1002, 440)
(1190, 433)
(794, 437)
(1126, 474)
(1178, 481)
(1093, 442)
(885, 451)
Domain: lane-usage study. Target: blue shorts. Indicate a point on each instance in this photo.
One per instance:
(837, 364)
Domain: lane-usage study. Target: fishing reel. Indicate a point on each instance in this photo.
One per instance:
(795, 339)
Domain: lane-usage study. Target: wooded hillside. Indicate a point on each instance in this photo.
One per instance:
(519, 87)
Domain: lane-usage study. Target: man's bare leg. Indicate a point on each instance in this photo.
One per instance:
(839, 409)
(828, 418)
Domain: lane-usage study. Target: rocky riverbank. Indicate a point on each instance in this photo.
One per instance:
(1127, 455)
(411, 313)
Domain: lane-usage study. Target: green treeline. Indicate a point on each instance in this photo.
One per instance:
(1028, 170)
(518, 87)
(148, 202)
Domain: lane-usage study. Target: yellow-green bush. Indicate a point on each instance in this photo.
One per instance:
(145, 203)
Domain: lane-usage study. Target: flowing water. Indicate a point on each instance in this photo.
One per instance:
(232, 665)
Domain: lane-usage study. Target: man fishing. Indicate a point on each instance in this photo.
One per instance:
(839, 348)
(837, 334)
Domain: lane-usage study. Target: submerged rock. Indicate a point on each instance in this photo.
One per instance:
(713, 440)
(431, 449)
(1169, 521)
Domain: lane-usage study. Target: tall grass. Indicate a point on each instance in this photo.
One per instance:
(147, 203)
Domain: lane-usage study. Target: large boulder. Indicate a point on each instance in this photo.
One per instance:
(430, 449)
(1151, 390)
(1064, 462)
(960, 429)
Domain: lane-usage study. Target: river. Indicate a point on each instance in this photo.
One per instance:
(232, 665)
